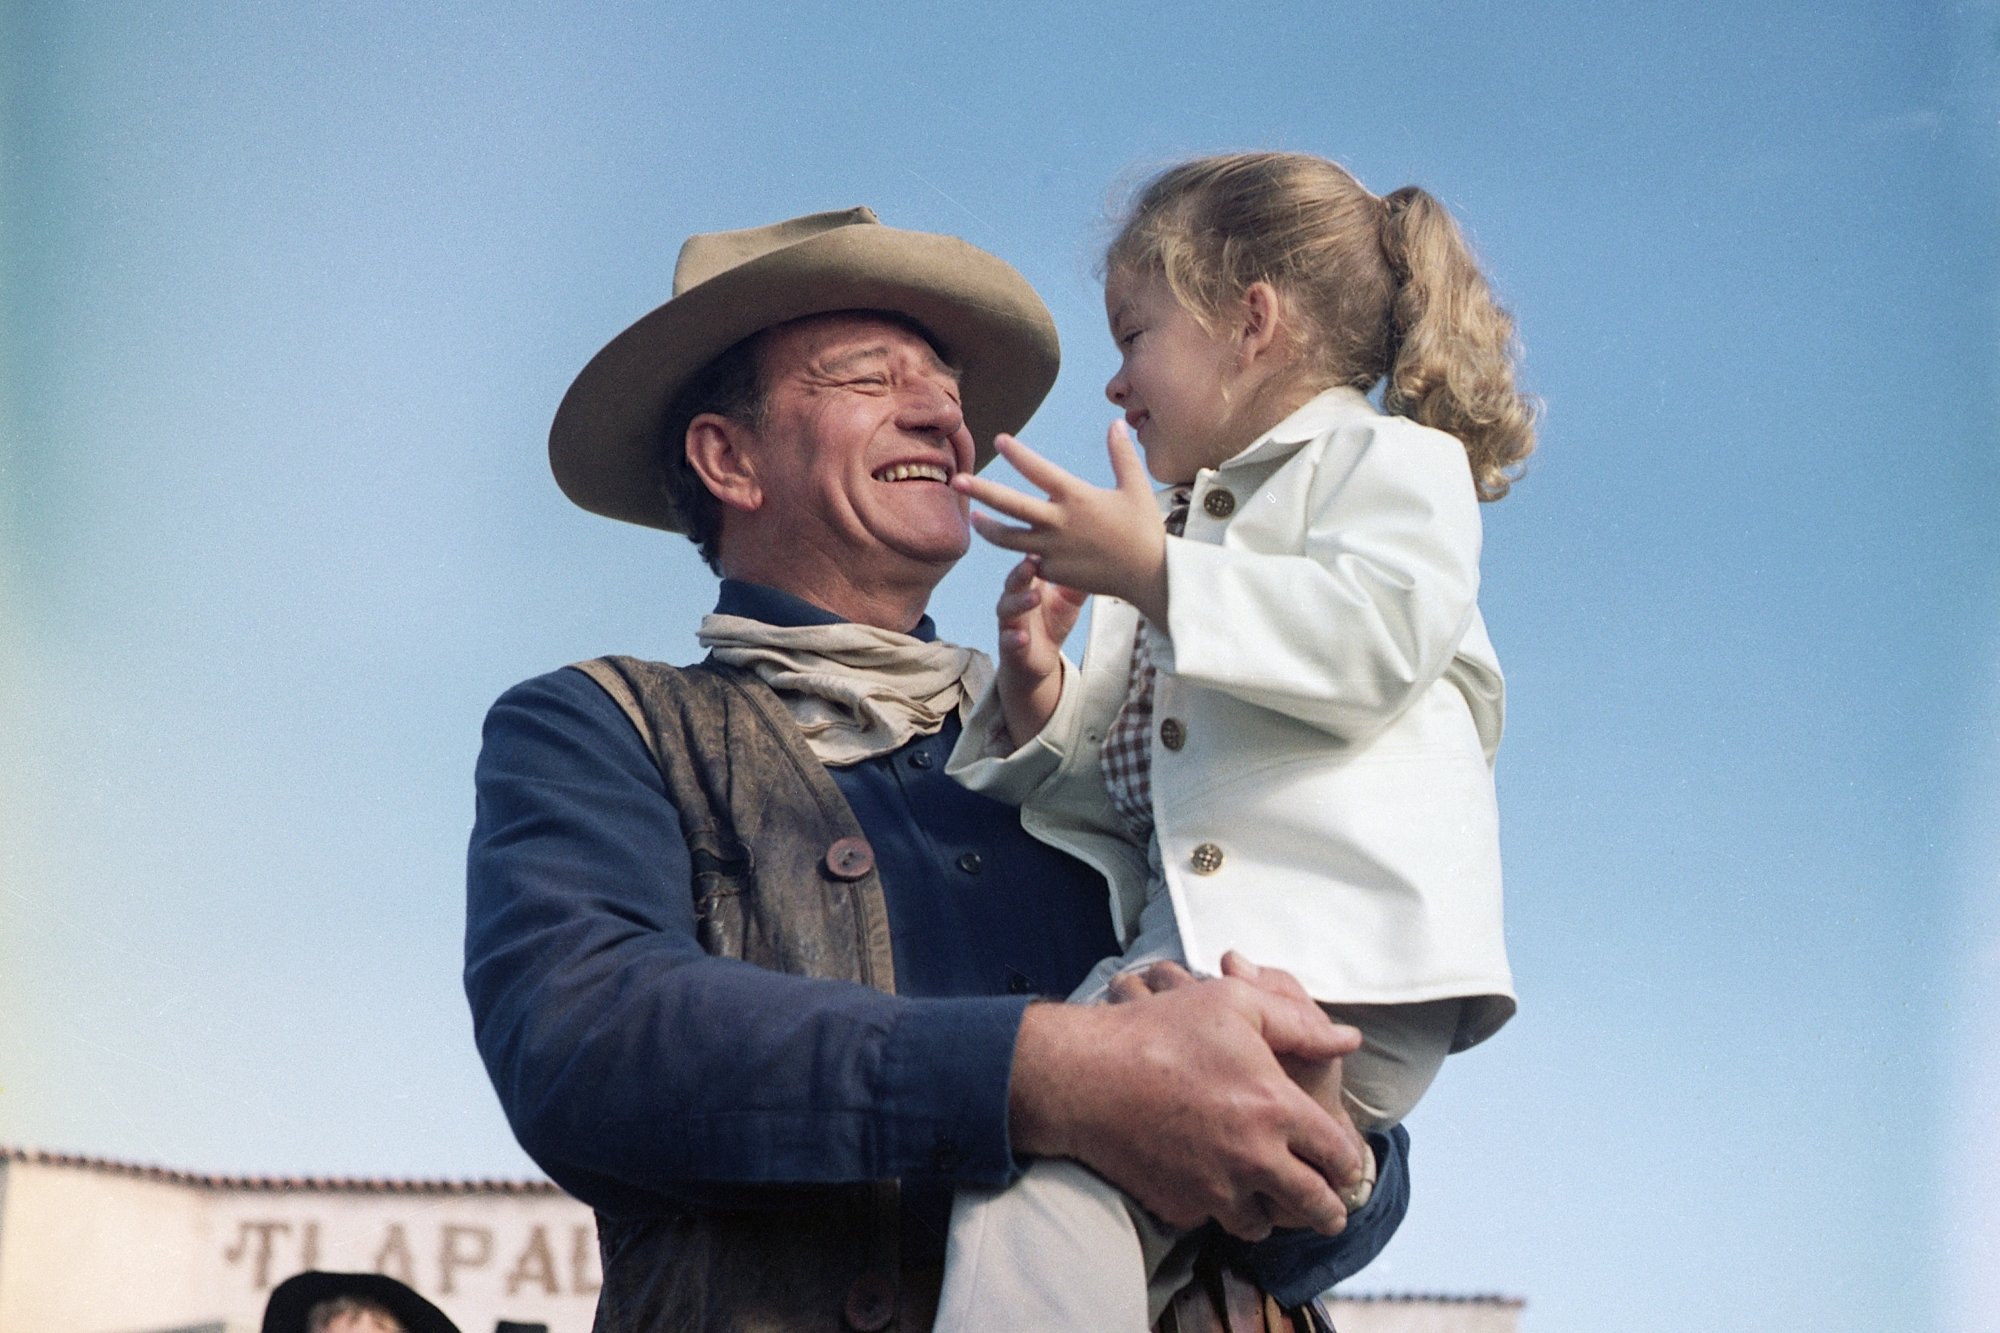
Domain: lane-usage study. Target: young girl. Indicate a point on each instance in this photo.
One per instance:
(1281, 738)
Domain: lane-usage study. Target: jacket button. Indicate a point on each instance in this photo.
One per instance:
(969, 863)
(871, 1303)
(1173, 734)
(850, 858)
(1218, 503)
(920, 759)
(1206, 858)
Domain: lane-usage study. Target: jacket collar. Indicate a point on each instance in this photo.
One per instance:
(1322, 415)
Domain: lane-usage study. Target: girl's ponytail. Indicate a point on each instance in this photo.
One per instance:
(1452, 360)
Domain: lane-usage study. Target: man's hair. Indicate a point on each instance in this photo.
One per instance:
(323, 1313)
(730, 386)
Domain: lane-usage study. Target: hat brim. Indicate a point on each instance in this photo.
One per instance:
(607, 444)
(295, 1297)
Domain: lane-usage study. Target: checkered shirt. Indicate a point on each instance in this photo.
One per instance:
(1127, 758)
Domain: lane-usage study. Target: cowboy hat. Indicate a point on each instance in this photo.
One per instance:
(295, 1297)
(607, 444)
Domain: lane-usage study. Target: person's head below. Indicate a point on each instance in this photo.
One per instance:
(352, 1314)
(800, 406)
(325, 1302)
(1239, 286)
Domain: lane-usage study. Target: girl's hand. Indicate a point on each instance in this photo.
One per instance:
(1086, 537)
(1035, 617)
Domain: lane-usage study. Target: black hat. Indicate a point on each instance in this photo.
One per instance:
(296, 1296)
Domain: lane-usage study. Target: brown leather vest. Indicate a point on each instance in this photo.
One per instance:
(762, 819)
(783, 878)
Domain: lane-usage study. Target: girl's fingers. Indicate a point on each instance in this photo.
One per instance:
(1006, 500)
(1017, 602)
(1023, 574)
(1003, 535)
(1033, 466)
(1126, 465)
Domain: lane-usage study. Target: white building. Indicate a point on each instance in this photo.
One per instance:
(92, 1246)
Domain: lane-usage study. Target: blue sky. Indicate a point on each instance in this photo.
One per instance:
(291, 292)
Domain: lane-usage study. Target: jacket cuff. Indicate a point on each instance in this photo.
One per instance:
(1296, 1266)
(982, 761)
(946, 1068)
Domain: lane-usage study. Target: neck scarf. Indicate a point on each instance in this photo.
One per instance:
(855, 691)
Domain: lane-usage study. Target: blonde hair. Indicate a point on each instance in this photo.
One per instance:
(1373, 289)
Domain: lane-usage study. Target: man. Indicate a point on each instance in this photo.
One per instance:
(752, 977)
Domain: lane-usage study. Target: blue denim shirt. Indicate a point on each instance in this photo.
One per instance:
(643, 1074)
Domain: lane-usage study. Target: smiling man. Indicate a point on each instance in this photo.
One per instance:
(751, 976)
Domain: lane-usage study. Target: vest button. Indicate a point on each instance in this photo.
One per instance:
(969, 863)
(1206, 858)
(1218, 503)
(871, 1303)
(920, 759)
(1173, 733)
(850, 858)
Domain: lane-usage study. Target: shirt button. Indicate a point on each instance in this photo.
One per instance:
(1173, 734)
(921, 759)
(1206, 858)
(871, 1303)
(1218, 503)
(969, 863)
(850, 858)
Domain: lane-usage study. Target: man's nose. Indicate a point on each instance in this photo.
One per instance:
(929, 408)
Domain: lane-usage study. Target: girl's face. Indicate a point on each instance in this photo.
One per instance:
(1175, 380)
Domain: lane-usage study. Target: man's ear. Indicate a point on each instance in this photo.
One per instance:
(717, 451)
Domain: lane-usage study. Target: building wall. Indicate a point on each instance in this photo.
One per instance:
(97, 1248)
(86, 1251)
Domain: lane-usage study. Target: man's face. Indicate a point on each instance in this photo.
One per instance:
(861, 434)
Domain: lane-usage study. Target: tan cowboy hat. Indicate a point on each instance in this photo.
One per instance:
(607, 445)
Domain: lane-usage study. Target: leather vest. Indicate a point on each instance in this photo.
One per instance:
(783, 878)
(763, 821)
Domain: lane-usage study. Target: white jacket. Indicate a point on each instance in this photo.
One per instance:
(1333, 705)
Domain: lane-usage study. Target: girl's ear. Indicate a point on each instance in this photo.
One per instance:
(1258, 319)
(717, 450)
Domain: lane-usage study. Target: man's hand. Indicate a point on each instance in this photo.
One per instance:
(1319, 1079)
(1179, 1098)
(1035, 617)
(1087, 537)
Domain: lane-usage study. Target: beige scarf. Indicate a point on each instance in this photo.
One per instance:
(855, 691)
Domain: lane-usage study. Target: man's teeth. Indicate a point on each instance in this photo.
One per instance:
(914, 471)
